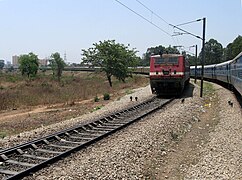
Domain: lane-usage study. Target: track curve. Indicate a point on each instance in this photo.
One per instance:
(19, 161)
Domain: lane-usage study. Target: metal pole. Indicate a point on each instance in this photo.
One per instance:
(196, 65)
(203, 56)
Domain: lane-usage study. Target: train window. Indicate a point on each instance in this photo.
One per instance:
(169, 60)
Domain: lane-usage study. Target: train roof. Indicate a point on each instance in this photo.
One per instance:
(193, 67)
(224, 63)
(167, 55)
(209, 66)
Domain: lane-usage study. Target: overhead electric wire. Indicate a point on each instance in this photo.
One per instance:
(189, 52)
(188, 22)
(143, 18)
(152, 12)
(158, 17)
(186, 31)
(174, 26)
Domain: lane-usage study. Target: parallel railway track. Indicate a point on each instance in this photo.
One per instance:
(19, 161)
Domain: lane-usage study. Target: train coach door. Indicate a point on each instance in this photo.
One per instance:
(228, 73)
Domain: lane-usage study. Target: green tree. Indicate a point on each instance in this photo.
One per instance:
(157, 50)
(29, 64)
(57, 64)
(191, 59)
(213, 52)
(1, 64)
(233, 49)
(112, 58)
(171, 50)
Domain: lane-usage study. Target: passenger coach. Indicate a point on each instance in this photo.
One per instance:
(229, 72)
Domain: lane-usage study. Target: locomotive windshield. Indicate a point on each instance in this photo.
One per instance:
(167, 60)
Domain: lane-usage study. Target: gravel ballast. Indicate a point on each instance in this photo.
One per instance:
(142, 150)
(222, 156)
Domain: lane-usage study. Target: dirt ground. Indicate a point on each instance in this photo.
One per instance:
(185, 151)
(17, 121)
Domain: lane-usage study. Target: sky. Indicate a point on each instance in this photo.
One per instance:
(68, 26)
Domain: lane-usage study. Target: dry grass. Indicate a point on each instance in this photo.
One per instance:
(16, 92)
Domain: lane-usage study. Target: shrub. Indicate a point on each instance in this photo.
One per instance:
(97, 108)
(129, 91)
(106, 96)
(96, 99)
(3, 135)
(12, 79)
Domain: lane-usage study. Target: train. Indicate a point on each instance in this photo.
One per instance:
(169, 74)
(229, 73)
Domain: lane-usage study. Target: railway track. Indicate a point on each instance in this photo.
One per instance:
(22, 160)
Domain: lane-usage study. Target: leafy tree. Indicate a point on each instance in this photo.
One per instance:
(112, 58)
(1, 64)
(171, 50)
(191, 59)
(57, 64)
(213, 52)
(29, 64)
(157, 50)
(233, 49)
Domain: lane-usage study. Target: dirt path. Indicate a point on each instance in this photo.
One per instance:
(40, 109)
(195, 156)
(185, 151)
(17, 121)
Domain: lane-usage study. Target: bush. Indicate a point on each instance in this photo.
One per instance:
(3, 135)
(96, 99)
(106, 96)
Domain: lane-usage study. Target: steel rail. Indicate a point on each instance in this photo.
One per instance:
(46, 150)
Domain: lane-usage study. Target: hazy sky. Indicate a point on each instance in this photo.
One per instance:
(47, 26)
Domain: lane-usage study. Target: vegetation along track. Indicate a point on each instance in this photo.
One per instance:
(19, 161)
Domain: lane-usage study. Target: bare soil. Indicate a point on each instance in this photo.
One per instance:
(17, 121)
(185, 151)
(75, 98)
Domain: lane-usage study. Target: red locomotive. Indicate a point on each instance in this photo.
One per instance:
(169, 73)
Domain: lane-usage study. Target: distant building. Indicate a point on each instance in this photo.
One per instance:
(8, 64)
(43, 62)
(15, 60)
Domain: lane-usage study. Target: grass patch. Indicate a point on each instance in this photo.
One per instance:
(97, 108)
(2, 134)
(44, 90)
(208, 89)
(129, 91)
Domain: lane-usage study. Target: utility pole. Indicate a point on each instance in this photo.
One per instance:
(195, 78)
(203, 45)
(195, 65)
(203, 56)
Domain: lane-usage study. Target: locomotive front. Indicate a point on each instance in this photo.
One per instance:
(168, 74)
